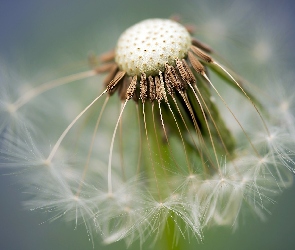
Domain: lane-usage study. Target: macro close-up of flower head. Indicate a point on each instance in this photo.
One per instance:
(147, 130)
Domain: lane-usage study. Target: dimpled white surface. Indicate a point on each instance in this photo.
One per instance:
(148, 45)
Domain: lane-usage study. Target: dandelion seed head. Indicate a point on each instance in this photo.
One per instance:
(147, 46)
(200, 164)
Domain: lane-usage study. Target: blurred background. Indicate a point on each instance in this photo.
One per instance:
(38, 37)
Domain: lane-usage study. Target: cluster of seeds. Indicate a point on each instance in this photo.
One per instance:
(152, 56)
(148, 45)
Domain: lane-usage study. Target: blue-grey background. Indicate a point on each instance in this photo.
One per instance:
(40, 34)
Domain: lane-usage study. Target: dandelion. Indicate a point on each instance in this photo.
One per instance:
(173, 162)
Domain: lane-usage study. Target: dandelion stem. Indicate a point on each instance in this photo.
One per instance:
(110, 187)
(226, 105)
(140, 141)
(158, 144)
(198, 131)
(121, 147)
(206, 121)
(263, 121)
(211, 117)
(91, 145)
(156, 135)
(193, 140)
(149, 147)
(166, 136)
(57, 144)
(50, 85)
(183, 144)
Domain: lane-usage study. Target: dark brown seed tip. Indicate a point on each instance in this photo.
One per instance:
(143, 87)
(201, 45)
(202, 55)
(198, 67)
(113, 83)
(131, 89)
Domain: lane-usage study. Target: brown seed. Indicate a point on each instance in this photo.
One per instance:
(110, 76)
(170, 89)
(173, 78)
(192, 78)
(143, 87)
(113, 83)
(183, 71)
(131, 89)
(152, 89)
(202, 55)
(122, 88)
(201, 45)
(160, 89)
(198, 67)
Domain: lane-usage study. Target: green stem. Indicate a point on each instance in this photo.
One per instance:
(170, 234)
(167, 240)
